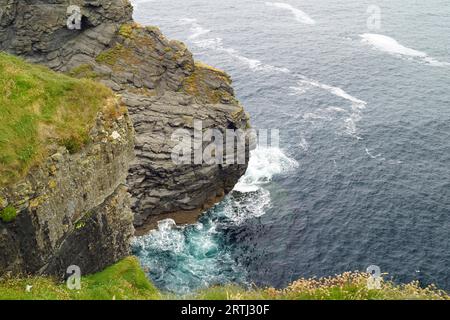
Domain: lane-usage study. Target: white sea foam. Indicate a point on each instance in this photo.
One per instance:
(196, 29)
(253, 64)
(378, 156)
(167, 237)
(356, 107)
(264, 164)
(242, 206)
(391, 46)
(336, 109)
(186, 257)
(250, 199)
(298, 14)
(192, 256)
(197, 32)
(317, 115)
(335, 91)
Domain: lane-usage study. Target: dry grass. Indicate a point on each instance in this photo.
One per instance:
(197, 85)
(347, 286)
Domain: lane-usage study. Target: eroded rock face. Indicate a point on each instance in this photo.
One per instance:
(38, 29)
(74, 208)
(164, 89)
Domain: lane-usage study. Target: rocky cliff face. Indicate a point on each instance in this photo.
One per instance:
(164, 89)
(74, 208)
(38, 29)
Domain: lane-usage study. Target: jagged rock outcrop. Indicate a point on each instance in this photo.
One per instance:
(73, 209)
(38, 29)
(158, 80)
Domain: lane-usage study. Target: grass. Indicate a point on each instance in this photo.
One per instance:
(111, 56)
(83, 71)
(39, 108)
(122, 281)
(127, 281)
(347, 286)
(8, 214)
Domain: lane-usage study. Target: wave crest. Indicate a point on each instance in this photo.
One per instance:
(391, 46)
(299, 15)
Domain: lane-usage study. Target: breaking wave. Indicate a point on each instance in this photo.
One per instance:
(264, 164)
(180, 259)
(391, 46)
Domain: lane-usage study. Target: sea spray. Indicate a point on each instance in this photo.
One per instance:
(180, 259)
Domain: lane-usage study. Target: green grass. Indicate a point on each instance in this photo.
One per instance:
(39, 108)
(122, 281)
(127, 281)
(8, 214)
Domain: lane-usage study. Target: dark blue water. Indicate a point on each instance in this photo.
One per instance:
(362, 174)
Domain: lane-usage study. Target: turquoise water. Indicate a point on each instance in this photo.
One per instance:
(362, 174)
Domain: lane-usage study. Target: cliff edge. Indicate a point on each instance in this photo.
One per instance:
(66, 147)
(163, 88)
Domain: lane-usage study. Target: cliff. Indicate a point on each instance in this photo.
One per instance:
(79, 213)
(66, 147)
(158, 80)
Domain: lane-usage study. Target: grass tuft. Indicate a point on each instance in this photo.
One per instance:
(123, 281)
(197, 84)
(8, 214)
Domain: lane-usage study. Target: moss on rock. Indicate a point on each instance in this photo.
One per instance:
(8, 214)
(83, 71)
(209, 85)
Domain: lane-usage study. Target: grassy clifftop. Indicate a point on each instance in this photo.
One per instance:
(123, 281)
(39, 109)
(126, 280)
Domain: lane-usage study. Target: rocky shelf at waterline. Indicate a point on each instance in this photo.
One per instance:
(76, 190)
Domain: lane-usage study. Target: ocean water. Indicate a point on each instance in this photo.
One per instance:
(362, 173)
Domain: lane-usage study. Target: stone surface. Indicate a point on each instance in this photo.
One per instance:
(158, 80)
(73, 209)
(38, 29)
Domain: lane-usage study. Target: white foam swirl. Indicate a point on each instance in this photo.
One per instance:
(264, 164)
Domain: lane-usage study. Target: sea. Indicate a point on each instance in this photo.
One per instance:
(360, 93)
